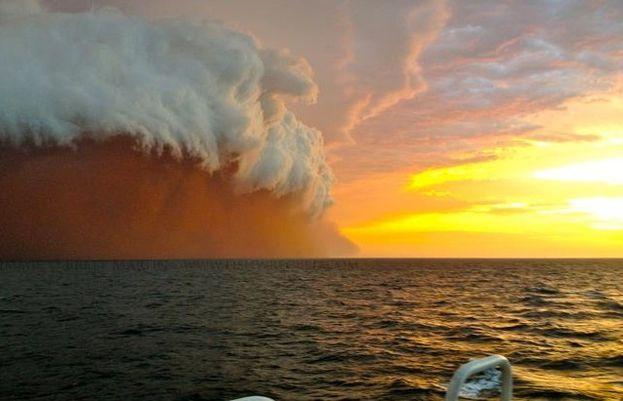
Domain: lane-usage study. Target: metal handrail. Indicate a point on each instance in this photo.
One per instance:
(479, 365)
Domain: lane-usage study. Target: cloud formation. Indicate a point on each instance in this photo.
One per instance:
(439, 78)
(122, 137)
(200, 90)
(493, 65)
(364, 53)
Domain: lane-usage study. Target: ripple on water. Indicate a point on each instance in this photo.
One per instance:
(308, 330)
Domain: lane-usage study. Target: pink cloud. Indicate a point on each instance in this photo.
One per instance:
(493, 64)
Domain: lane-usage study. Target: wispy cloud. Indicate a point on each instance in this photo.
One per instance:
(492, 67)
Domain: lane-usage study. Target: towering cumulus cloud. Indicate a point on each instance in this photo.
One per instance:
(122, 138)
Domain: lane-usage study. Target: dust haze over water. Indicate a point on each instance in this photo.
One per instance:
(123, 138)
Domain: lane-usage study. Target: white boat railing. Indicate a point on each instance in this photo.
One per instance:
(460, 377)
(480, 365)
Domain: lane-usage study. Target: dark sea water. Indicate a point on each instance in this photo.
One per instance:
(307, 330)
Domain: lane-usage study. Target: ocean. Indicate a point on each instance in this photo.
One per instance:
(299, 330)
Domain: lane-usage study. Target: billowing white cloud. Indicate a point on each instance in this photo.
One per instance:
(199, 89)
(364, 53)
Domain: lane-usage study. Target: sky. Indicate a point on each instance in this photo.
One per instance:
(453, 128)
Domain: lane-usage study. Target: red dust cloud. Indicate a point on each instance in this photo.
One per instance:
(111, 200)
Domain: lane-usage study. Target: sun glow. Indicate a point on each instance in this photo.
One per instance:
(608, 211)
(608, 171)
(550, 199)
(555, 193)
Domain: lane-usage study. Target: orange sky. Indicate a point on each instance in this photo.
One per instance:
(536, 200)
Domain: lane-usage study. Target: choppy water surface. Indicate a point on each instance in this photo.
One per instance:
(307, 330)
